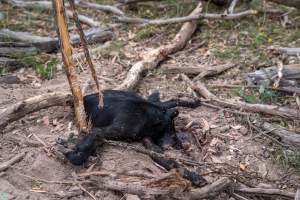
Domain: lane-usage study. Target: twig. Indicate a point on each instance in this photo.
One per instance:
(86, 52)
(268, 192)
(146, 22)
(13, 160)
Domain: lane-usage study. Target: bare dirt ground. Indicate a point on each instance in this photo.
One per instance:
(228, 146)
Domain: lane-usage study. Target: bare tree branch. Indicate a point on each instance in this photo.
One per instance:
(145, 22)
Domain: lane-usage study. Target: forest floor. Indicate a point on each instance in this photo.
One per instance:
(229, 147)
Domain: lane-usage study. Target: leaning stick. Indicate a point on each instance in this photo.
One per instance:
(86, 51)
(152, 59)
(62, 32)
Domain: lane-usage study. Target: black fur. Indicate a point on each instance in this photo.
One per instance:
(127, 116)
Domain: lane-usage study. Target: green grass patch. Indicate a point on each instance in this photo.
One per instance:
(295, 35)
(145, 33)
(44, 69)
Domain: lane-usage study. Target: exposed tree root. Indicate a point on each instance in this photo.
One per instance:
(49, 44)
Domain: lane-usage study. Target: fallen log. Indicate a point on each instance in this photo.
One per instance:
(154, 57)
(15, 50)
(47, 5)
(145, 22)
(201, 71)
(49, 44)
(287, 137)
(290, 74)
(286, 50)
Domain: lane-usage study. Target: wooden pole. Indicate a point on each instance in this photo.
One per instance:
(70, 69)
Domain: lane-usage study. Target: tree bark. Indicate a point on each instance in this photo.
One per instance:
(62, 32)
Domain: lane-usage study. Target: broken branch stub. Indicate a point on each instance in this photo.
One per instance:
(66, 49)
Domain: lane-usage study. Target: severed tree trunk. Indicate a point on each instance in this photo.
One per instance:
(62, 32)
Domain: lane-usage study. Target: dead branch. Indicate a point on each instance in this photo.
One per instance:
(145, 22)
(86, 52)
(49, 44)
(84, 19)
(104, 8)
(156, 56)
(13, 160)
(285, 50)
(143, 191)
(16, 50)
(210, 71)
(232, 6)
(287, 137)
(290, 74)
(291, 3)
(66, 50)
(268, 192)
(281, 89)
(201, 71)
(47, 5)
(21, 109)
(260, 108)
(210, 190)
